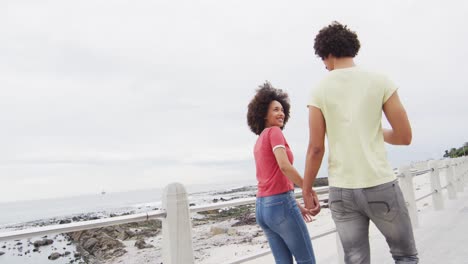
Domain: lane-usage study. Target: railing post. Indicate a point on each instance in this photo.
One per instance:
(406, 184)
(437, 199)
(458, 173)
(465, 170)
(462, 171)
(452, 192)
(339, 248)
(176, 227)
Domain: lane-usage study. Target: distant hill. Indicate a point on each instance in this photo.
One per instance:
(321, 182)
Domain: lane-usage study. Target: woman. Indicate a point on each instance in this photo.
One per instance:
(277, 212)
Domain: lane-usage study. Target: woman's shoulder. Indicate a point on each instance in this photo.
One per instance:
(274, 130)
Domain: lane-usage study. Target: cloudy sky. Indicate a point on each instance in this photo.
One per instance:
(124, 95)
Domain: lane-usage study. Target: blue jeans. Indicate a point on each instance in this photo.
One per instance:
(281, 220)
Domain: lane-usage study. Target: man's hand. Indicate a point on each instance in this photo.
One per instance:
(311, 202)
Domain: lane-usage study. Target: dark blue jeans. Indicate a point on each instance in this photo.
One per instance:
(281, 220)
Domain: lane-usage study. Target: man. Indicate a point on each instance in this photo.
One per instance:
(347, 105)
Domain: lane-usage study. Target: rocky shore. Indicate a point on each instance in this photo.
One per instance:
(140, 242)
(104, 245)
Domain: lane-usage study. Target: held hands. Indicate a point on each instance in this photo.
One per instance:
(312, 206)
(311, 202)
(305, 213)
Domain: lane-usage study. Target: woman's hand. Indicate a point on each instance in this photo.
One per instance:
(305, 213)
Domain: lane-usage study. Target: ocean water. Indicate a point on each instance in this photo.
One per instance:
(15, 213)
(21, 214)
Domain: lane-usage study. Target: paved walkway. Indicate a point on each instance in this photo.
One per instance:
(442, 236)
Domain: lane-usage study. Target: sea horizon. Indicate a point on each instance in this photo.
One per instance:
(139, 200)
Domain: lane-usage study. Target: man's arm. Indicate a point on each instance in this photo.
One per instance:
(400, 134)
(315, 152)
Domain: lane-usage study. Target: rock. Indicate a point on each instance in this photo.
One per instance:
(109, 229)
(96, 246)
(215, 200)
(141, 244)
(246, 219)
(2, 253)
(90, 243)
(66, 221)
(54, 256)
(99, 245)
(218, 230)
(67, 253)
(129, 233)
(44, 242)
(191, 204)
(146, 233)
(232, 232)
(77, 255)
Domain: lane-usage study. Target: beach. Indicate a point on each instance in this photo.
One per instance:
(218, 236)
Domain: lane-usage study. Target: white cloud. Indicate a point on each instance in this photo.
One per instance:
(134, 94)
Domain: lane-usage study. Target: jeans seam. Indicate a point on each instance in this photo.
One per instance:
(309, 250)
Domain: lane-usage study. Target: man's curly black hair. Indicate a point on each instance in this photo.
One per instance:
(258, 107)
(338, 40)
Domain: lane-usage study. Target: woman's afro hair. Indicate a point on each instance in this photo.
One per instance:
(258, 107)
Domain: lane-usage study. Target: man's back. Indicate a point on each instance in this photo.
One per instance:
(351, 101)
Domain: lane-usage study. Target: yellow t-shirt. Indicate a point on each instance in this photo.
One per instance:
(351, 101)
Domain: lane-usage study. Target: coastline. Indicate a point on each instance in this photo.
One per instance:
(215, 232)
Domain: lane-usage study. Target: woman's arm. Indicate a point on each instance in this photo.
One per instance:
(286, 167)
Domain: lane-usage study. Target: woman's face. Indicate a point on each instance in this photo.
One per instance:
(275, 115)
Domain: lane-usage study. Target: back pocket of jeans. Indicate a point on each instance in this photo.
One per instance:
(383, 203)
(336, 204)
(275, 212)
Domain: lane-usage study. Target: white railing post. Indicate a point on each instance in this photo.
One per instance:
(437, 199)
(339, 248)
(452, 192)
(458, 172)
(176, 227)
(406, 184)
(465, 170)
